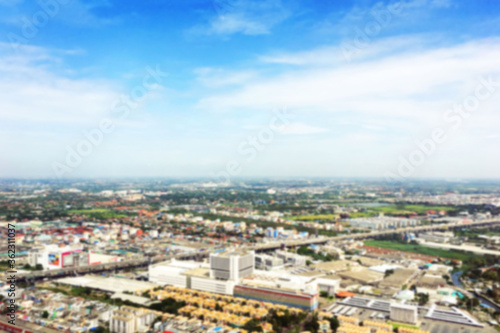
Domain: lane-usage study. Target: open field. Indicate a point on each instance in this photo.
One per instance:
(100, 213)
(449, 254)
(313, 217)
(408, 209)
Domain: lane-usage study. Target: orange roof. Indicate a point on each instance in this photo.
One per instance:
(345, 294)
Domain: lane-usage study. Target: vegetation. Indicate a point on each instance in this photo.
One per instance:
(285, 320)
(398, 325)
(449, 254)
(253, 325)
(305, 251)
(100, 214)
(168, 305)
(328, 217)
(422, 298)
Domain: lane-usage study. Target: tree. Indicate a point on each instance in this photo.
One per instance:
(312, 325)
(334, 324)
(45, 315)
(490, 275)
(422, 299)
(253, 325)
(388, 272)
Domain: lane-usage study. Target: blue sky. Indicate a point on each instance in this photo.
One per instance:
(365, 81)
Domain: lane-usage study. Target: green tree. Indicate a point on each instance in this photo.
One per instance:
(45, 315)
(334, 324)
(253, 325)
(312, 325)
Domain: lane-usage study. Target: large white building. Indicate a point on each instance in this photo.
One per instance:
(172, 272)
(231, 265)
(55, 257)
(404, 313)
(219, 276)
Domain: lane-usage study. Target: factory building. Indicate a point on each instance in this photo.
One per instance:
(291, 290)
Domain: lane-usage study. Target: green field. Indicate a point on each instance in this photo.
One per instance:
(100, 213)
(449, 254)
(407, 209)
(313, 217)
(397, 325)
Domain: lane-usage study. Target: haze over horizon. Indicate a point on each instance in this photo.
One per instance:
(250, 88)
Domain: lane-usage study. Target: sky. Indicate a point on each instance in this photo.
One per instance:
(239, 88)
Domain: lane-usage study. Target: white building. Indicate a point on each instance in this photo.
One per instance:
(55, 257)
(383, 222)
(291, 258)
(232, 265)
(130, 320)
(171, 272)
(330, 285)
(404, 313)
(267, 262)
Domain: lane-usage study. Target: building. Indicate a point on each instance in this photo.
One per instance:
(232, 265)
(56, 257)
(437, 237)
(280, 288)
(267, 262)
(381, 223)
(377, 326)
(362, 275)
(329, 284)
(202, 279)
(171, 272)
(292, 259)
(129, 319)
(404, 313)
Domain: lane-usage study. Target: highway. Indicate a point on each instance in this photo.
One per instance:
(258, 248)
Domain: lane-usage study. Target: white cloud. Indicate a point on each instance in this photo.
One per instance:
(247, 17)
(218, 77)
(417, 85)
(301, 128)
(34, 88)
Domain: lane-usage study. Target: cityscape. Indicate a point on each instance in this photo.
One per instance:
(239, 166)
(297, 255)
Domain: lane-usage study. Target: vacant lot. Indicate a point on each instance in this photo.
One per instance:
(449, 254)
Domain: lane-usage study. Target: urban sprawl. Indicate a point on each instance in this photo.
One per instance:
(329, 255)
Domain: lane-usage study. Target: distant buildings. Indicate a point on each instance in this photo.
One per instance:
(383, 222)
